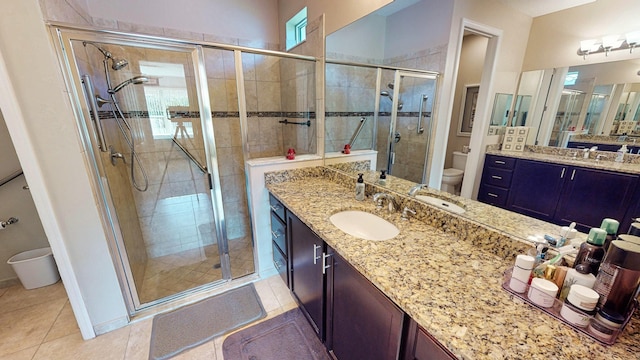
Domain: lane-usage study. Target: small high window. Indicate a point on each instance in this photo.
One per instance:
(296, 29)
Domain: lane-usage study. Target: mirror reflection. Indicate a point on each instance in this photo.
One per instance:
(590, 105)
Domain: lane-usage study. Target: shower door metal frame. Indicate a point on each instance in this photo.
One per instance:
(398, 76)
(72, 79)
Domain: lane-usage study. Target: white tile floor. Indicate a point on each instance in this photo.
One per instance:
(39, 324)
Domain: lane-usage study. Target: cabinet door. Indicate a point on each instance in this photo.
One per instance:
(536, 188)
(592, 195)
(420, 345)
(363, 324)
(307, 279)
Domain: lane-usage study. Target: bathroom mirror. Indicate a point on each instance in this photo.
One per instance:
(501, 108)
(583, 107)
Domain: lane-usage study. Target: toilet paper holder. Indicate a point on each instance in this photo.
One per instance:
(11, 220)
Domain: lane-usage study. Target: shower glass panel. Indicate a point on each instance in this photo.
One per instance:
(594, 114)
(350, 98)
(411, 124)
(157, 162)
(280, 105)
(567, 116)
(223, 97)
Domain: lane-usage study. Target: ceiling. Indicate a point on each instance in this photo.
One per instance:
(535, 8)
(532, 8)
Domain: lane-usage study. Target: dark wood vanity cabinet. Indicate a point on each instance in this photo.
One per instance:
(279, 242)
(591, 195)
(561, 194)
(420, 345)
(496, 180)
(536, 188)
(362, 323)
(351, 316)
(307, 274)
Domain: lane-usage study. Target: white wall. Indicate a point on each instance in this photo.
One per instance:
(555, 38)
(244, 19)
(9, 162)
(41, 123)
(364, 38)
(421, 26)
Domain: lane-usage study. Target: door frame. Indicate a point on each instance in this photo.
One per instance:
(478, 139)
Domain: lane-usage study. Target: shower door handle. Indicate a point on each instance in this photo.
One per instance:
(91, 98)
(420, 128)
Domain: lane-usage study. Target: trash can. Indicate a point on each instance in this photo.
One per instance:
(35, 268)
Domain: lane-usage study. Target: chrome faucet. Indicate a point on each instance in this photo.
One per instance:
(405, 213)
(379, 198)
(417, 188)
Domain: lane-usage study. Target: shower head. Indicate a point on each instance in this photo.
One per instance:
(134, 80)
(386, 93)
(116, 64)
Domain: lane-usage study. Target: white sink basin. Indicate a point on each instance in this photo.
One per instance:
(364, 225)
(443, 204)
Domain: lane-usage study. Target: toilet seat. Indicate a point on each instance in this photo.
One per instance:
(451, 172)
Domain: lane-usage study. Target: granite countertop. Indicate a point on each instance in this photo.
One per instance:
(564, 156)
(445, 271)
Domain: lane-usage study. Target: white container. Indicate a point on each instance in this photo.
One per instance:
(521, 273)
(35, 268)
(573, 315)
(542, 292)
(583, 297)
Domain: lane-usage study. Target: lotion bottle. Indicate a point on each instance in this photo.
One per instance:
(620, 153)
(360, 188)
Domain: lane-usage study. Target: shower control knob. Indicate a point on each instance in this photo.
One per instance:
(115, 156)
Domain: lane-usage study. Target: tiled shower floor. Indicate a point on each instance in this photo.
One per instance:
(171, 274)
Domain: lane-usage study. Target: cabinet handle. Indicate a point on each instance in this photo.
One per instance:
(324, 263)
(315, 254)
(499, 162)
(492, 195)
(275, 207)
(573, 173)
(496, 177)
(278, 264)
(562, 174)
(275, 234)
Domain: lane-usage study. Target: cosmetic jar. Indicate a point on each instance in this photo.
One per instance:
(579, 307)
(605, 324)
(542, 292)
(521, 273)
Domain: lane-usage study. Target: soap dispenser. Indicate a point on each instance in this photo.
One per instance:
(360, 188)
(383, 178)
(620, 153)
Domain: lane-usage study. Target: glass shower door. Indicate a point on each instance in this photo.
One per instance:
(151, 137)
(411, 125)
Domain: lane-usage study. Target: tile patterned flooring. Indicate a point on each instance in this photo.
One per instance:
(171, 274)
(38, 324)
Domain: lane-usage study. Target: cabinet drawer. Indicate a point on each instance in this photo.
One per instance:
(276, 207)
(497, 177)
(500, 162)
(493, 195)
(278, 233)
(280, 262)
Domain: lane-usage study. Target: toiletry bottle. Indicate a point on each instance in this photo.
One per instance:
(620, 153)
(383, 178)
(611, 227)
(591, 251)
(580, 275)
(360, 188)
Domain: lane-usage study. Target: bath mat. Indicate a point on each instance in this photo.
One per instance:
(195, 324)
(284, 337)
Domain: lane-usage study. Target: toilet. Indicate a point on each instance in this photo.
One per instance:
(452, 177)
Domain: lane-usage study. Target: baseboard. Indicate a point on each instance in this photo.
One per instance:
(111, 325)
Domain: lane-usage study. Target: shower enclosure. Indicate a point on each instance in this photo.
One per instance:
(167, 126)
(397, 107)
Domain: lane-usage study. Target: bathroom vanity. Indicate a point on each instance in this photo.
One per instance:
(432, 291)
(561, 189)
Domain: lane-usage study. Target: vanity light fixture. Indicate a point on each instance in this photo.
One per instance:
(609, 43)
